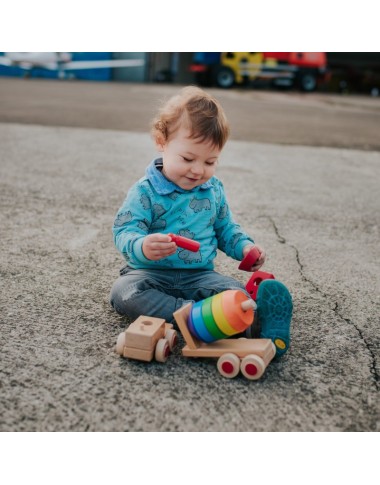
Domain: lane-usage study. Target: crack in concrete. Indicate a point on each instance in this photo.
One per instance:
(334, 304)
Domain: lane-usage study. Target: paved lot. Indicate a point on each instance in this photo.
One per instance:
(314, 208)
(289, 118)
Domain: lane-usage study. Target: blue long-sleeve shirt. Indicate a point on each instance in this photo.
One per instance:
(156, 205)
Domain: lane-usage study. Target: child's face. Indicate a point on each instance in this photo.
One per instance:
(187, 162)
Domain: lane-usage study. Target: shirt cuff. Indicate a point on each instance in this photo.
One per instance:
(138, 252)
(240, 246)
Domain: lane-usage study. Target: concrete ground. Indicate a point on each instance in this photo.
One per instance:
(313, 205)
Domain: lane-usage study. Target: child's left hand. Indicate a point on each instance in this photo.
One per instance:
(260, 261)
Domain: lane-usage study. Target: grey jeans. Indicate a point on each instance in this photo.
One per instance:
(159, 293)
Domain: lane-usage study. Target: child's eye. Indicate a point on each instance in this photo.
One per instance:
(210, 163)
(187, 159)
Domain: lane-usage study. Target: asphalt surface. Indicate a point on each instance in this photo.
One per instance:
(289, 118)
(302, 175)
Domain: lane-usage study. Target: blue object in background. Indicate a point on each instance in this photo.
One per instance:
(207, 57)
(102, 74)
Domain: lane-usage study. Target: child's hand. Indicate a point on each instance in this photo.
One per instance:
(260, 261)
(158, 246)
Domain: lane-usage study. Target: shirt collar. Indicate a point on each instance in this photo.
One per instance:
(162, 185)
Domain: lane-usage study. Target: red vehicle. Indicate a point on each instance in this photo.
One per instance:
(303, 70)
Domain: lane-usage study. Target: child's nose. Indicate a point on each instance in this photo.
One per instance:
(197, 169)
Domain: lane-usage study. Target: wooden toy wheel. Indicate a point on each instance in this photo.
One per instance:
(252, 367)
(274, 348)
(171, 337)
(228, 365)
(162, 350)
(120, 343)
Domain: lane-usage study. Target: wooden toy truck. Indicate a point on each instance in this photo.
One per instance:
(147, 338)
(250, 356)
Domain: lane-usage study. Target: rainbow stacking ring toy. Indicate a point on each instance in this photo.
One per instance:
(199, 323)
(220, 316)
(191, 327)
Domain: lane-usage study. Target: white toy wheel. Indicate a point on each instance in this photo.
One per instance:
(162, 350)
(171, 337)
(228, 365)
(274, 349)
(252, 367)
(120, 343)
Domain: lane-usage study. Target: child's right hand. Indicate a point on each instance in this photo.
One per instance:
(158, 246)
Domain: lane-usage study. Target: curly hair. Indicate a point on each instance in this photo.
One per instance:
(198, 111)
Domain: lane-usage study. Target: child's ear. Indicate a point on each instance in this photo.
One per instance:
(160, 143)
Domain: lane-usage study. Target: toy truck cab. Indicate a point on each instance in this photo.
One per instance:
(147, 338)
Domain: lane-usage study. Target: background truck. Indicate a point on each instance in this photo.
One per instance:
(302, 70)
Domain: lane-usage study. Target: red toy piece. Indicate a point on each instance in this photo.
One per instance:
(253, 284)
(184, 242)
(250, 259)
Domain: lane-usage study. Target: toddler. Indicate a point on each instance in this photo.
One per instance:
(180, 194)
